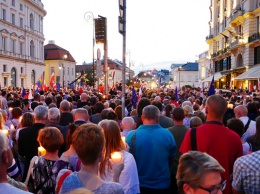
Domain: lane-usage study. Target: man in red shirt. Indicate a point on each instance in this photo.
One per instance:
(215, 139)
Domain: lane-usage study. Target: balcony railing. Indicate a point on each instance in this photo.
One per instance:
(234, 43)
(235, 14)
(209, 37)
(254, 37)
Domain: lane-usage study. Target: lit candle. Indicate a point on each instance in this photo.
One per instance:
(5, 131)
(20, 119)
(10, 109)
(116, 157)
(12, 127)
(230, 106)
(41, 151)
(123, 139)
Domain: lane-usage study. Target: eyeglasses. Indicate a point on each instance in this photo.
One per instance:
(215, 190)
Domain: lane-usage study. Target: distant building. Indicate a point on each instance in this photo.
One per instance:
(59, 62)
(114, 68)
(21, 42)
(205, 69)
(185, 74)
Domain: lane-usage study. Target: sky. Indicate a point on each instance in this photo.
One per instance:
(158, 33)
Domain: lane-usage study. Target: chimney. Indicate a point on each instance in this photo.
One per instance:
(51, 42)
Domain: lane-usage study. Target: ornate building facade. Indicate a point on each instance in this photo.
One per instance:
(21, 42)
(234, 46)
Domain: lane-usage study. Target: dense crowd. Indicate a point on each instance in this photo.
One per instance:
(78, 141)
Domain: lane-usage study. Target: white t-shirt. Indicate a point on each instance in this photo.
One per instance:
(7, 188)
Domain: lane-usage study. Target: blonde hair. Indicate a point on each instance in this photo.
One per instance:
(192, 167)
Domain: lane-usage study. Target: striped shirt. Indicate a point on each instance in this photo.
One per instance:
(13, 170)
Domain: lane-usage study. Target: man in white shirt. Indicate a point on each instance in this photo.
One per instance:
(250, 125)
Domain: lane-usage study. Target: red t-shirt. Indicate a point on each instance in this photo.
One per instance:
(221, 143)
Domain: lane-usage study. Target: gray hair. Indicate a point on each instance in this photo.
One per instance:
(151, 112)
(64, 105)
(4, 144)
(53, 113)
(40, 112)
(128, 123)
(192, 167)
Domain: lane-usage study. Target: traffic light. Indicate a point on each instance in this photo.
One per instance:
(100, 30)
(122, 17)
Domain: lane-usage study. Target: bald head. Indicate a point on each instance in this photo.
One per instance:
(216, 107)
(128, 123)
(240, 111)
(83, 97)
(81, 114)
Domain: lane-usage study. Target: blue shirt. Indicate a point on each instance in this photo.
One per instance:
(153, 148)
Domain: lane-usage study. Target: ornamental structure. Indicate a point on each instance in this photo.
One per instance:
(21, 42)
(233, 57)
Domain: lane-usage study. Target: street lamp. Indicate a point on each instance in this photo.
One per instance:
(88, 17)
(179, 69)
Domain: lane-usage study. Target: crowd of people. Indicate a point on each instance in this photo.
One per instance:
(167, 142)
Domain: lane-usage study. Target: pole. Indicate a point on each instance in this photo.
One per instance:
(129, 67)
(93, 52)
(179, 79)
(123, 71)
(63, 74)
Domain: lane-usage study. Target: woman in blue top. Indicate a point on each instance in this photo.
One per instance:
(89, 142)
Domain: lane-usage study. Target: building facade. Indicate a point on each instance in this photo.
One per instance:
(185, 75)
(60, 63)
(204, 70)
(21, 42)
(234, 44)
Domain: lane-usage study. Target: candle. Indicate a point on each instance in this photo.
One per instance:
(230, 106)
(20, 119)
(123, 139)
(116, 157)
(5, 131)
(41, 151)
(10, 109)
(12, 127)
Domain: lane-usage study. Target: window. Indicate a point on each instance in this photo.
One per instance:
(52, 70)
(5, 81)
(257, 24)
(21, 22)
(32, 48)
(21, 70)
(21, 48)
(68, 71)
(13, 2)
(4, 14)
(72, 71)
(22, 82)
(13, 18)
(225, 21)
(13, 45)
(4, 68)
(4, 43)
(189, 78)
(13, 77)
(21, 7)
(31, 22)
(32, 77)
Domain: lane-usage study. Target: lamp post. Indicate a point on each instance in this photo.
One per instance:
(65, 56)
(88, 17)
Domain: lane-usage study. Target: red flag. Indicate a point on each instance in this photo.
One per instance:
(52, 80)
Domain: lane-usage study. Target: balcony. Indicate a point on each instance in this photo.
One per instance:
(236, 14)
(234, 43)
(209, 37)
(253, 37)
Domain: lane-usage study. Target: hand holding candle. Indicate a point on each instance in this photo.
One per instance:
(116, 157)
(5, 131)
(41, 151)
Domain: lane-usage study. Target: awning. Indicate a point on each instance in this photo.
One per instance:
(216, 77)
(251, 74)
